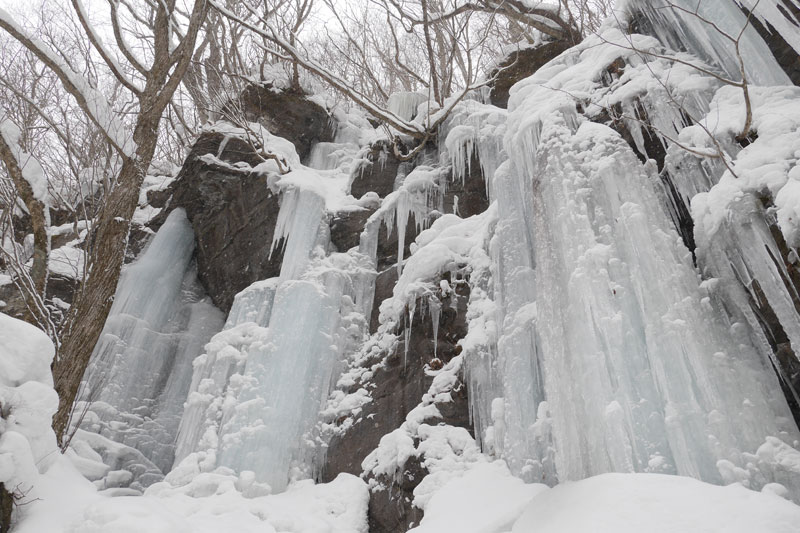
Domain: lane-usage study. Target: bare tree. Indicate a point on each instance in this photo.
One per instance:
(450, 40)
(166, 35)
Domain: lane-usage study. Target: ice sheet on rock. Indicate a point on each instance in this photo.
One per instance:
(257, 391)
(404, 104)
(285, 381)
(253, 304)
(622, 320)
(475, 129)
(332, 156)
(140, 371)
(679, 29)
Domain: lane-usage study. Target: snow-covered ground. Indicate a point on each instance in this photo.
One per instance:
(597, 342)
(482, 498)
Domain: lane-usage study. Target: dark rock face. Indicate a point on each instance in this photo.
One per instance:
(384, 285)
(521, 64)
(287, 114)
(377, 174)
(346, 228)
(471, 192)
(396, 388)
(233, 214)
(392, 510)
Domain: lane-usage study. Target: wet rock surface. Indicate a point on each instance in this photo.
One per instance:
(519, 65)
(377, 173)
(285, 113)
(233, 214)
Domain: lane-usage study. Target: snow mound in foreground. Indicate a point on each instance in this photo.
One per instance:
(27, 404)
(632, 503)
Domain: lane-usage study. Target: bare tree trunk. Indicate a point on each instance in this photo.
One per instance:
(88, 313)
(6, 508)
(34, 293)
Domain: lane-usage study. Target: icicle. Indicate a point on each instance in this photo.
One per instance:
(475, 129)
(404, 104)
(297, 228)
(407, 333)
(435, 308)
(402, 211)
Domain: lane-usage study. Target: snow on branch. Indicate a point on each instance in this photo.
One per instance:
(338, 83)
(105, 54)
(88, 98)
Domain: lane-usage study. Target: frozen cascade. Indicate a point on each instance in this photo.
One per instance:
(680, 30)
(527, 427)
(332, 155)
(140, 370)
(404, 104)
(284, 381)
(626, 362)
(594, 345)
(257, 391)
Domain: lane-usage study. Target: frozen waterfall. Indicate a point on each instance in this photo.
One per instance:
(140, 371)
(621, 287)
(257, 391)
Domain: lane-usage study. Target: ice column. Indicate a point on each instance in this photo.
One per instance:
(637, 371)
(141, 367)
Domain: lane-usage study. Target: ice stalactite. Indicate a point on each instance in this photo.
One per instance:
(419, 191)
(435, 309)
(611, 355)
(297, 229)
(681, 29)
(475, 129)
(404, 104)
(257, 391)
(140, 370)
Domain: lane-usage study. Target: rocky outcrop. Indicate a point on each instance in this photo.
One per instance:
(397, 387)
(233, 214)
(377, 172)
(519, 65)
(285, 113)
